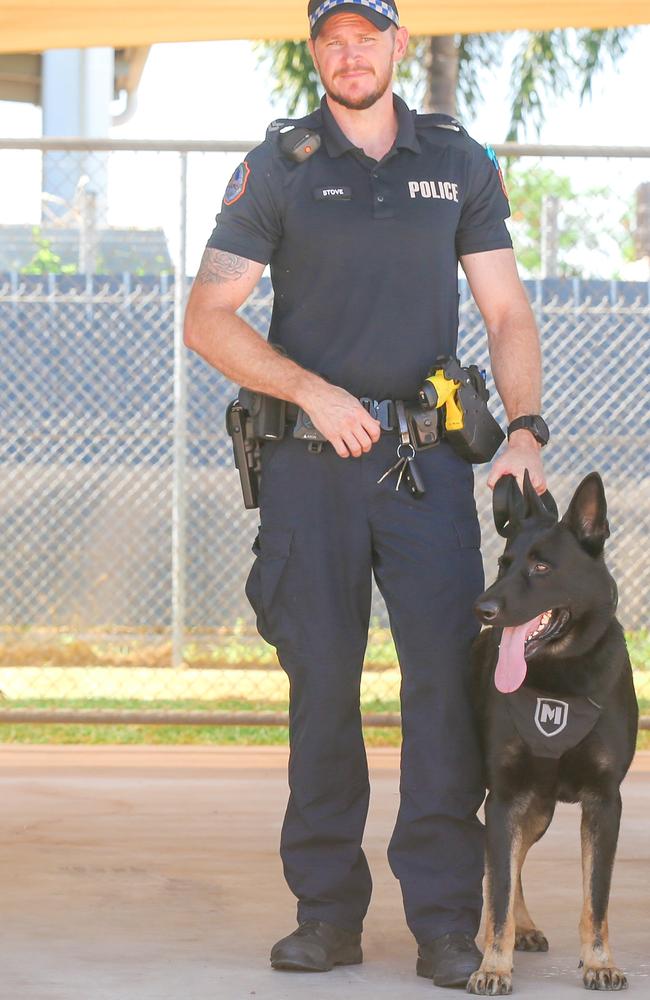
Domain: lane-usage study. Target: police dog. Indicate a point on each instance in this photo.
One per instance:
(558, 717)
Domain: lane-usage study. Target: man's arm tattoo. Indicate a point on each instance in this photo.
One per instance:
(218, 267)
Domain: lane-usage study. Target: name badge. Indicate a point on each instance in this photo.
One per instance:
(332, 193)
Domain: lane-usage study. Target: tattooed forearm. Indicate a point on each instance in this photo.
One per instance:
(218, 266)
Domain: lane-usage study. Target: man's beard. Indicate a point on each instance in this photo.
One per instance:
(361, 103)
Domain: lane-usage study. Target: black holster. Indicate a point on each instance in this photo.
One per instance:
(470, 428)
(480, 436)
(251, 419)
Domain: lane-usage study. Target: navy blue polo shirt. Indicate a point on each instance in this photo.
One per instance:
(364, 253)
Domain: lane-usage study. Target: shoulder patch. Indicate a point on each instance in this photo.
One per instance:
(492, 157)
(237, 184)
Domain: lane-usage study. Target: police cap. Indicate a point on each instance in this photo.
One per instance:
(381, 13)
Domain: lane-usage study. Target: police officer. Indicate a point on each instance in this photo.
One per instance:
(363, 216)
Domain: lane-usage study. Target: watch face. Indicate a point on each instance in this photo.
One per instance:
(540, 429)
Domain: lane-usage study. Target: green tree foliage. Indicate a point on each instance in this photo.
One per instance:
(45, 260)
(544, 64)
(593, 235)
(552, 63)
(295, 78)
(527, 189)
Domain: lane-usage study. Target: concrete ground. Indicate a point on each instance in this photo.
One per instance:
(136, 873)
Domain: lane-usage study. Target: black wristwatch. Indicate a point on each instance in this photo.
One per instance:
(533, 423)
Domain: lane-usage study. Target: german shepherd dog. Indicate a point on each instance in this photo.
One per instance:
(557, 713)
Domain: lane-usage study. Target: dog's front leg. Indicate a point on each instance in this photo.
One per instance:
(601, 817)
(504, 842)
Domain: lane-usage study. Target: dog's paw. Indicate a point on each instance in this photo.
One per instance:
(604, 979)
(489, 984)
(532, 940)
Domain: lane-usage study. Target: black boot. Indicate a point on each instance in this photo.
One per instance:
(316, 947)
(449, 960)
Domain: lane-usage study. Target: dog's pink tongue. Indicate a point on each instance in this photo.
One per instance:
(511, 665)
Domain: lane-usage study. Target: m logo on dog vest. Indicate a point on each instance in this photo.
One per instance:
(550, 726)
(551, 716)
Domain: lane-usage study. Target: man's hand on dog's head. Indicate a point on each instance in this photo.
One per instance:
(523, 452)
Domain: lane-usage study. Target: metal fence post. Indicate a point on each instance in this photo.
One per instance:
(180, 432)
(550, 236)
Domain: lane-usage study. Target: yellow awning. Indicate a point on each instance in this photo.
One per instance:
(35, 25)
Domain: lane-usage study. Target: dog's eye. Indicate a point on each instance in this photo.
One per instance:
(541, 567)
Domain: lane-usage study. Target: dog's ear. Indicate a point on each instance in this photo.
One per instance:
(586, 516)
(508, 506)
(543, 508)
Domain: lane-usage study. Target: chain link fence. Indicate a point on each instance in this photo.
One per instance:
(124, 545)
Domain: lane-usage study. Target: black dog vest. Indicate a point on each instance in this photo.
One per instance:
(551, 726)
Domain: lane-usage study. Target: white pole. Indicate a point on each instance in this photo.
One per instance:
(180, 433)
(77, 90)
(550, 235)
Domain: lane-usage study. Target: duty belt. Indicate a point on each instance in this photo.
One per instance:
(255, 418)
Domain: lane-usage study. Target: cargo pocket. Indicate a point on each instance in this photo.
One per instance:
(271, 547)
(468, 532)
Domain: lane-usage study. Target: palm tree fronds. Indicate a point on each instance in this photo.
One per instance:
(476, 53)
(296, 79)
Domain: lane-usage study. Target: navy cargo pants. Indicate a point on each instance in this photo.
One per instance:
(326, 526)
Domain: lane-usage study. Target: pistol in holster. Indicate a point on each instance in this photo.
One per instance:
(254, 418)
(462, 395)
(251, 419)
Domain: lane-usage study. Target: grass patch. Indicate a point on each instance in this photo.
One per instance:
(184, 735)
(223, 655)
(228, 648)
(237, 647)
(171, 735)
(192, 735)
(638, 644)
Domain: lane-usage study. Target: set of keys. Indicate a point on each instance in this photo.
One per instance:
(405, 466)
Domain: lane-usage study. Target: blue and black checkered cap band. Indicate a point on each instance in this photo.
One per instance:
(366, 8)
